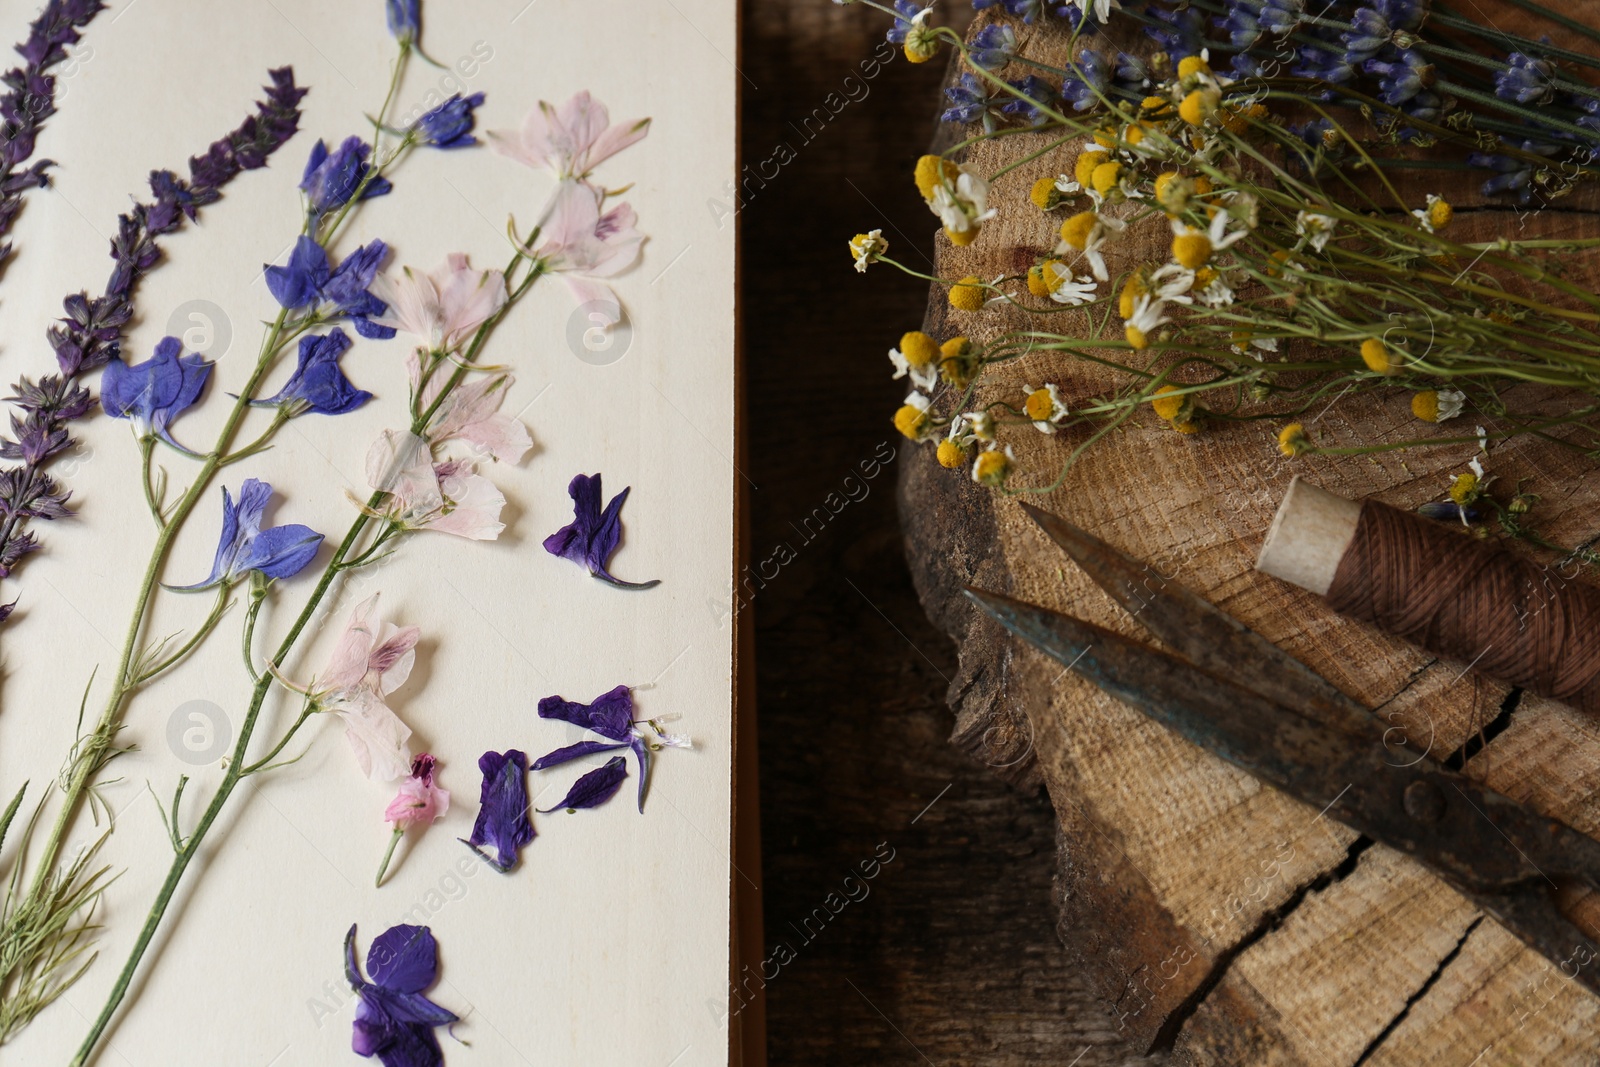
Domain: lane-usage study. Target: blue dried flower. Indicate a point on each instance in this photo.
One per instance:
(1088, 78)
(611, 716)
(1186, 35)
(971, 100)
(1369, 31)
(1038, 92)
(394, 1021)
(1133, 73)
(592, 535)
(1402, 78)
(1529, 81)
(405, 18)
(1282, 16)
(1242, 22)
(594, 788)
(332, 178)
(1513, 175)
(502, 822)
(153, 393)
(307, 281)
(1403, 14)
(450, 124)
(318, 384)
(276, 552)
(993, 47)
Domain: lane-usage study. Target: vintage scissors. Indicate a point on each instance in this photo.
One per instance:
(1237, 695)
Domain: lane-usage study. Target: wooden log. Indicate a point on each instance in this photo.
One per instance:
(1217, 918)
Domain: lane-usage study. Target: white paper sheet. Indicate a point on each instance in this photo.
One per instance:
(610, 944)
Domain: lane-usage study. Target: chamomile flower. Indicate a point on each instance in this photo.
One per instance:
(1315, 228)
(1086, 233)
(1044, 406)
(1437, 405)
(1211, 288)
(1436, 215)
(918, 357)
(1148, 314)
(1294, 441)
(963, 207)
(1173, 282)
(866, 247)
(1063, 287)
(913, 419)
(1248, 344)
(980, 424)
(1194, 248)
(993, 466)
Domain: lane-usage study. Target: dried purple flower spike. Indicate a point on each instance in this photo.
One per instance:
(592, 536)
(502, 821)
(31, 100)
(90, 334)
(594, 788)
(394, 1021)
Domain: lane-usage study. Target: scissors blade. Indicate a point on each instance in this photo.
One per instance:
(1198, 631)
(1506, 857)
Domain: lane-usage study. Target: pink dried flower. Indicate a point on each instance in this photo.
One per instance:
(419, 799)
(449, 496)
(443, 308)
(583, 245)
(571, 140)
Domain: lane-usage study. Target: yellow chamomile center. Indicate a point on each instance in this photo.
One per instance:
(1104, 178)
(956, 362)
(1199, 106)
(919, 349)
(930, 169)
(951, 454)
(1038, 406)
(1136, 337)
(1293, 440)
(1425, 405)
(1168, 402)
(991, 468)
(1376, 355)
(1044, 194)
(967, 294)
(1075, 231)
(1440, 213)
(911, 420)
(1189, 65)
(1083, 169)
(1464, 490)
(1132, 290)
(1191, 250)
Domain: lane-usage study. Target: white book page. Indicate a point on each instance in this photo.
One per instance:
(609, 943)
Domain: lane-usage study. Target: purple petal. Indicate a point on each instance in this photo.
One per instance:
(404, 959)
(596, 787)
(502, 821)
(610, 715)
(572, 752)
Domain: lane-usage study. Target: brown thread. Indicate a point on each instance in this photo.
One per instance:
(1472, 601)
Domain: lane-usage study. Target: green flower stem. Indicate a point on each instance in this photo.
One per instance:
(388, 854)
(237, 765)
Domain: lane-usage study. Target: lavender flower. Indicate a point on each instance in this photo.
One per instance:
(592, 536)
(971, 100)
(1282, 16)
(1186, 35)
(1242, 22)
(1133, 73)
(450, 124)
(394, 1021)
(332, 178)
(1088, 79)
(1369, 31)
(1403, 78)
(307, 280)
(1325, 64)
(594, 788)
(31, 100)
(153, 393)
(90, 334)
(993, 47)
(1513, 175)
(1038, 93)
(276, 552)
(1529, 81)
(1404, 14)
(318, 384)
(502, 821)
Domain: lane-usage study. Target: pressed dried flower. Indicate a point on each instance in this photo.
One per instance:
(502, 822)
(394, 1021)
(318, 385)
(611, 716)
(276, 552)
(150, 395)
(592, 535)
(570, 140)
(594, 788)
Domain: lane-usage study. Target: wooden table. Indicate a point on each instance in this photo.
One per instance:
(1216, 919)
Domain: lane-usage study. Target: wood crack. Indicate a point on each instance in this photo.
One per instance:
(1167, 1036)
(1491, 730)
(1422, 991)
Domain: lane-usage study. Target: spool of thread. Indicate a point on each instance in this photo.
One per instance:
(1474, 601)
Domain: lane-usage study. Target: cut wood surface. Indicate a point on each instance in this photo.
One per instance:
(1219, 919)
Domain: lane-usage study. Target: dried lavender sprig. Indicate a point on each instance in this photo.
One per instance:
(91, 332)
(31, 100)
